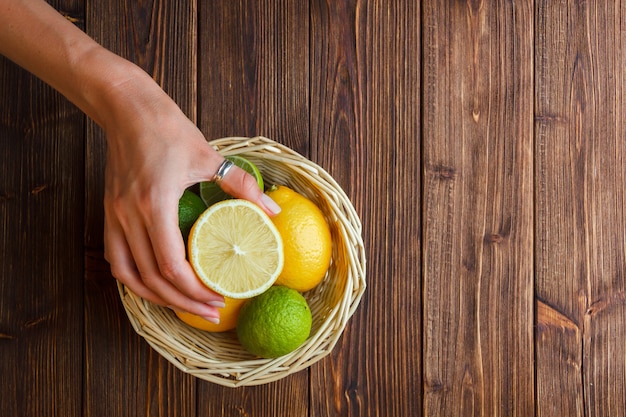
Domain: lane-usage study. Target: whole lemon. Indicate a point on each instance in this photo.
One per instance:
(307, 241)
(228, 317)
(274, 323)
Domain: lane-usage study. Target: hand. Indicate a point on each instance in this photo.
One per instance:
(154, 153)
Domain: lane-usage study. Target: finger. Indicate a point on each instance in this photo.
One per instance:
(123, 267)
(169, 252)
(148, 278)
(240, 184)
(154, 279)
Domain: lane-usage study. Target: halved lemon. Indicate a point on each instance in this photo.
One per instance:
(235, 249)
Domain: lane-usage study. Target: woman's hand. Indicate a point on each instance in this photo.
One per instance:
(154, 153)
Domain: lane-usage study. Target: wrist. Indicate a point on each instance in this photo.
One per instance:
(112, 87)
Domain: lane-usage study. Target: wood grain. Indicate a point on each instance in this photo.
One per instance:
(41, 254)
(254, 70)
(580, 176)
(124, 377)
(481, 142)
(128, 378)
(477, 165)
(365, 128)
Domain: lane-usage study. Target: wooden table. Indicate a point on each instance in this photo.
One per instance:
(482, 143)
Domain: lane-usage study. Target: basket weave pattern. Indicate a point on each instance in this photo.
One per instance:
(218, 357)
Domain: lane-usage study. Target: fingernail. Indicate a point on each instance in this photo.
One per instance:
(270, 204)
(217, 304)
(214, 320)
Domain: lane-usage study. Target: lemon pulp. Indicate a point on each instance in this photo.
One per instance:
(235, 249)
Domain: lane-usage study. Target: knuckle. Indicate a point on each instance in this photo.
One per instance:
(243, 185)
(249, 184)
(119, 273)
(122, 203)
(144, 204)
(170, 270)
(116, 202)
(150, 280)
(116, 208)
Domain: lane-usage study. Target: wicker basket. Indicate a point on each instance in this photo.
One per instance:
(218, 357)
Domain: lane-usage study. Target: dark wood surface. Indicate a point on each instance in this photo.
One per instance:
(482, 144)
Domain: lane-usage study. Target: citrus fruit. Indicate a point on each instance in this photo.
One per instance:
(211, 193)
(235, 249)
(190, 207)
(274, 323)
(228, 317)
(306, 238)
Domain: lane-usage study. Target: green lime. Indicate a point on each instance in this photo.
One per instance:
(190, 207)
(211, 193)
(274, 323)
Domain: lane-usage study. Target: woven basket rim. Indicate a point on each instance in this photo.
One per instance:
(217, 357)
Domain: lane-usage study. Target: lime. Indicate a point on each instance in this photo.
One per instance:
(274, 323)
(211, 193)
(235, 249)
(190, 207)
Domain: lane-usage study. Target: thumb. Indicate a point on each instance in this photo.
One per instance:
(241, 184)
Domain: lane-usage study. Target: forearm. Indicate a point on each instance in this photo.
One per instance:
(39, 39)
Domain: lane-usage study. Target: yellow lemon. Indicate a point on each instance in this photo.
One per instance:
(307, 241)
(235, 249)
(228, 317)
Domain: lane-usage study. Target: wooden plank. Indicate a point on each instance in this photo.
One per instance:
(559, 360)
(478, 193)
(581, 366)
(41, 321)
(365, 124)
(253, 60)
(124, 376)
(604, 334)
(560, 274)
(254, 70)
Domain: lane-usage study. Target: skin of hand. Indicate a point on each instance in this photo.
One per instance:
(154, 152)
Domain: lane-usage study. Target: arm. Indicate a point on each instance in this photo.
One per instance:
(154, 152)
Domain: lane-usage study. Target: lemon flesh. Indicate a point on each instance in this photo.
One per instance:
(235, 249)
